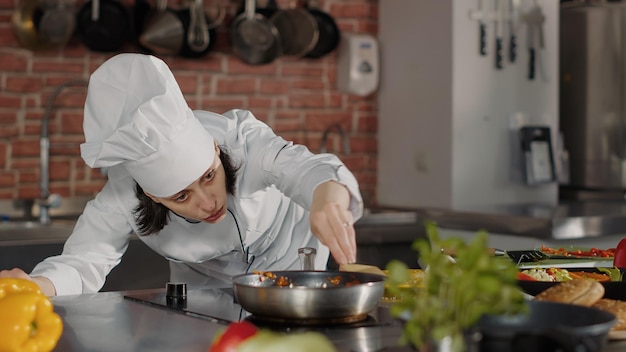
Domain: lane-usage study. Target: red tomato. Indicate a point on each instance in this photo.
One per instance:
(620, 255)
(234, 334)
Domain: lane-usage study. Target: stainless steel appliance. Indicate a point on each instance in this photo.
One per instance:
(593, 94)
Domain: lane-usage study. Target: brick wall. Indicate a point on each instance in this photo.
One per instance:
(297, 97)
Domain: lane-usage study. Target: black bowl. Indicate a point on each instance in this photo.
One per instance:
(548, 326)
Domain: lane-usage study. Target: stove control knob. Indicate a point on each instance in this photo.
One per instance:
(176, 290)
(176, 295)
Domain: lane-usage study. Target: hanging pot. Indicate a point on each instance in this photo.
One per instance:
(44, 26)
(298, 29)
(255, 39)
(329, 34)
(103, 25)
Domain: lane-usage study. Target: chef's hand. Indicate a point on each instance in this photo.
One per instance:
(46, 286)
(332, 222)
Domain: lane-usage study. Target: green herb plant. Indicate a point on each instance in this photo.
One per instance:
(455, 293)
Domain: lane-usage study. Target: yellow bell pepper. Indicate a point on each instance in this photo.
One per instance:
(28, 322)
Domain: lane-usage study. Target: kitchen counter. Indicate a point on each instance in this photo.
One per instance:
(109, 322)
(568, 220)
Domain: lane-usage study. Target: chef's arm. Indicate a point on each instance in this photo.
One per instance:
(332, 221)
(46, 286)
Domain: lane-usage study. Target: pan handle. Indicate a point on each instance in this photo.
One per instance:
(250, 9)
(95, 10)
(307, 258)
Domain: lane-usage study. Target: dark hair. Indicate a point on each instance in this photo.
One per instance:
(151, 217)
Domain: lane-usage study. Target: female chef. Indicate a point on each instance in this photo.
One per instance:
(216, 194)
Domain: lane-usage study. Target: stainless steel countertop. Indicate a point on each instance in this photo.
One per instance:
(107, 322)
(565, 221)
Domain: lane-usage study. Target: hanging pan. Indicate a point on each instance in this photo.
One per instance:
(103, 25)
(255, 39)
(42, 25)
(329, 33)
(298, 29)
(141, 12)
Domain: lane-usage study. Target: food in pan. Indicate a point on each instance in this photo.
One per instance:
(582, 292)
(338, 280)
(284, 281)
(278, 280)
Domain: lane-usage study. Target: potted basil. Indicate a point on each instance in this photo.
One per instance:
(440, 314)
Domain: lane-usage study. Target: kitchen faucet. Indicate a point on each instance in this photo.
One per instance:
(342, 133)
(47, 200)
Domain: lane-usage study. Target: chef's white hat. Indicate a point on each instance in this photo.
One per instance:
(135, 115)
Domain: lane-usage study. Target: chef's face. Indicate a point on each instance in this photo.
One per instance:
(205, 199)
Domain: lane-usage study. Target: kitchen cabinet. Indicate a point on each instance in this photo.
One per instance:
(140, 268)
(448, 118)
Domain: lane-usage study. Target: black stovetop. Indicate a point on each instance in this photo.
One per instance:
(220, 306)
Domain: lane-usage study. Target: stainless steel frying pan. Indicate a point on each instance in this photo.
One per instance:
(309, 295)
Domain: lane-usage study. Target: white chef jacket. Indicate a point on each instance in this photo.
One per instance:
(269, 215)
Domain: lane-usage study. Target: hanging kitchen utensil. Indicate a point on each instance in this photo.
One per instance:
(482, 29)
(329, 33)
(499, 29)
(199, 31)
(26, 21)
(255, 39)
(298, 29)
(534, 22)
(513, 26)
(164, 31)
(57, 22)
(103, 25)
